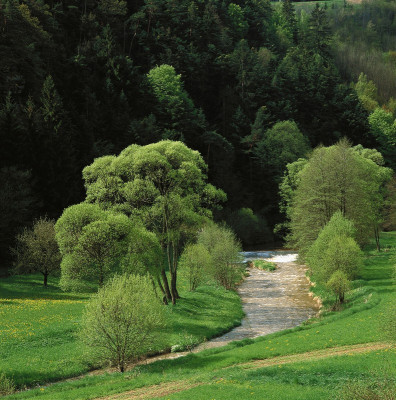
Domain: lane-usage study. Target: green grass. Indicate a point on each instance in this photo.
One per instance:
(365, 319)
(264, 265)
(38, 327)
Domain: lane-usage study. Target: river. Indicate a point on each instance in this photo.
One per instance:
(272, 300)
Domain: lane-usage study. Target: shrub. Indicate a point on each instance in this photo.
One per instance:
(339, 285)
(122, 319)
(195, 262)
(225, 252)
(265, 265)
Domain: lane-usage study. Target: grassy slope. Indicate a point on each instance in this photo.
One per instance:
(38, 326)
(363, 322)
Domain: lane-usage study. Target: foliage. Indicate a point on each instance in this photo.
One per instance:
(18, 204)
(265, 265)
(92, 242)
(303, 378)
(164, 186)
(390, 207)
(121, 319)
(6, 385)
(335, 250)
(367, 92)
(37, 250)
(335, 178)
(37, 320)
(249, 227)
(383, 128)
(79, 81)
(196, 263)
(224, 249)
(339, 284)
(278, 146)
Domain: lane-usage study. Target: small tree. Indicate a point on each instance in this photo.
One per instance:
(37, 249)
(224, 249)
(339, 285)
(195, 262)
(122, 319)
(318, 258)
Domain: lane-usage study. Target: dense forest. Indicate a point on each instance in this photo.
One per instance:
(251, 85)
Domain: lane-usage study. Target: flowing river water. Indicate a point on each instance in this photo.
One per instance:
(272, 300)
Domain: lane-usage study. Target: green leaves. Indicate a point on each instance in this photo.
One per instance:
(336, 178)
(121, 320)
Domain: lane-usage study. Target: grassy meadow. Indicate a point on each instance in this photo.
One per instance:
(315, 360)
(38, 327)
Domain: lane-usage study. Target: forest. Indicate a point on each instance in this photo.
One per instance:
(149, 151)
(79, 80)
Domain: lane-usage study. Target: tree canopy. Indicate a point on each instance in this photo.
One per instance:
(163, 186)
(336, 178)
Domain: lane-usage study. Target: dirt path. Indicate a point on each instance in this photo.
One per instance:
(167, 388)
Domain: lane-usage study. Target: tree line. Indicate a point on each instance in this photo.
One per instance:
(80, 80)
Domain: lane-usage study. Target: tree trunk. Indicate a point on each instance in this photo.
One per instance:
(164, 299)
(175, 294)
(166, 285)
(377, 239)
(45, 279)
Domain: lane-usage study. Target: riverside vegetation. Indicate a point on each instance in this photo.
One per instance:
(178, 114)
(334, 355)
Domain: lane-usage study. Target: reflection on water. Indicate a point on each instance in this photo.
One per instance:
(272, 301)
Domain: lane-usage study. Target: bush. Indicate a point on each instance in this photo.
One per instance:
(195, 262)
(335, 249)
(121, 320)
(339, 285)
(265, 265)
(225, 252)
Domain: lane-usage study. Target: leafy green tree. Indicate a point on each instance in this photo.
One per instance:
(339, 285)
(176, 111)
(336, 178)
(280, 145)
(92, 242)
(335, 249)
(37, 250)
(383, 128)
(367, 92)
(121, 320)
(224, 249)
(164, 185)
(195, 263)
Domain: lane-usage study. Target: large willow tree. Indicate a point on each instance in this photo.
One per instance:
(336, 178)
(165, 186)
